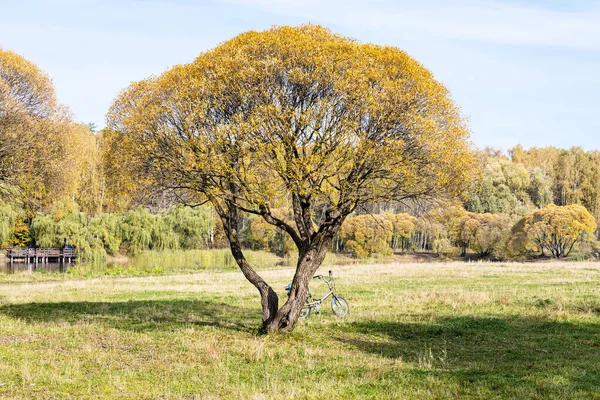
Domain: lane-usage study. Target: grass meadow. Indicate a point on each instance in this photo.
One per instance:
(415, 331)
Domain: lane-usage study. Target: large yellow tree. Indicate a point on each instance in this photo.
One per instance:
(44, 155)
(26, 99)
(295, 117)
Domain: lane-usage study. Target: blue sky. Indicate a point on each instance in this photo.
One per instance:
(523, 71)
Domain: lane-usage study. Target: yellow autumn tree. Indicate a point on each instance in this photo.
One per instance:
(482, 233)
(124, 185)
(26, 99)
(295, 117)
(44, 155)
(367, 234)
(24, 88)
(403, 226)
(84, 169)
(553, 228)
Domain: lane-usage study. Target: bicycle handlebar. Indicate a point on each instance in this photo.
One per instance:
(323, 277)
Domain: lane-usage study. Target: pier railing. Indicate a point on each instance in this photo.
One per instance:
(41, 255)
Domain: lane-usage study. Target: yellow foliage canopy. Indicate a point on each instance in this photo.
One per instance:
(297, 111)
(481, 232)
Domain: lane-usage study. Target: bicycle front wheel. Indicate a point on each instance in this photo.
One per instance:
(339, 306)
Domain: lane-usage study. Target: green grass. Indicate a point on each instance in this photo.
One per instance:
(415, 331)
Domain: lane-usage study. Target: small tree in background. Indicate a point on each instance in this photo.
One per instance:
(490, 234)
(482, 233)
(555, 229)
(367, 234)
(403, 226)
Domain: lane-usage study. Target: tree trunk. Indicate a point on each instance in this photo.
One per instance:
(309, 261)
(312, 248)
(268, 297)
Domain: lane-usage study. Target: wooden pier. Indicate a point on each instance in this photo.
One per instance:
(41, 256)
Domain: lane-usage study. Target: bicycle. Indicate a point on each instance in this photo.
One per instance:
(339, 305)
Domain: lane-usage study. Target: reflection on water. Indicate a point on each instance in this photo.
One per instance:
(153, 262)
(170, 261)
(7, 268)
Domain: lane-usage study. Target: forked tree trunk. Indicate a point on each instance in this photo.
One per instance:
(309, 261)
(269, 299)
(285, 318)
(311, 253)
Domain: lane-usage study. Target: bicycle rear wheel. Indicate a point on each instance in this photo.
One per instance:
(339, 306)
(305, 312)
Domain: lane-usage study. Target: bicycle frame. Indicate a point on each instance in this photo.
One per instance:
(312, 302)
(339, 305)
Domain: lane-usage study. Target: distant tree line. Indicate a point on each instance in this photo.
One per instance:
(62, 182)
(531, 179)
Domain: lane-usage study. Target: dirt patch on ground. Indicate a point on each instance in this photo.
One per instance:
(416, 258)
(7, 340)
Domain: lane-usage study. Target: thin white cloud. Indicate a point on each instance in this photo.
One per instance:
(484, 20)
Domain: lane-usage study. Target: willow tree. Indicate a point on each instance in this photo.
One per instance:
(294, 117)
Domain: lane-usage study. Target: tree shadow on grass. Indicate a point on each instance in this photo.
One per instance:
(510, 356)
(139, 316)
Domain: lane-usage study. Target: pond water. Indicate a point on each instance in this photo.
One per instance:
(6, 268)
(165, 262)
(146, 263)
